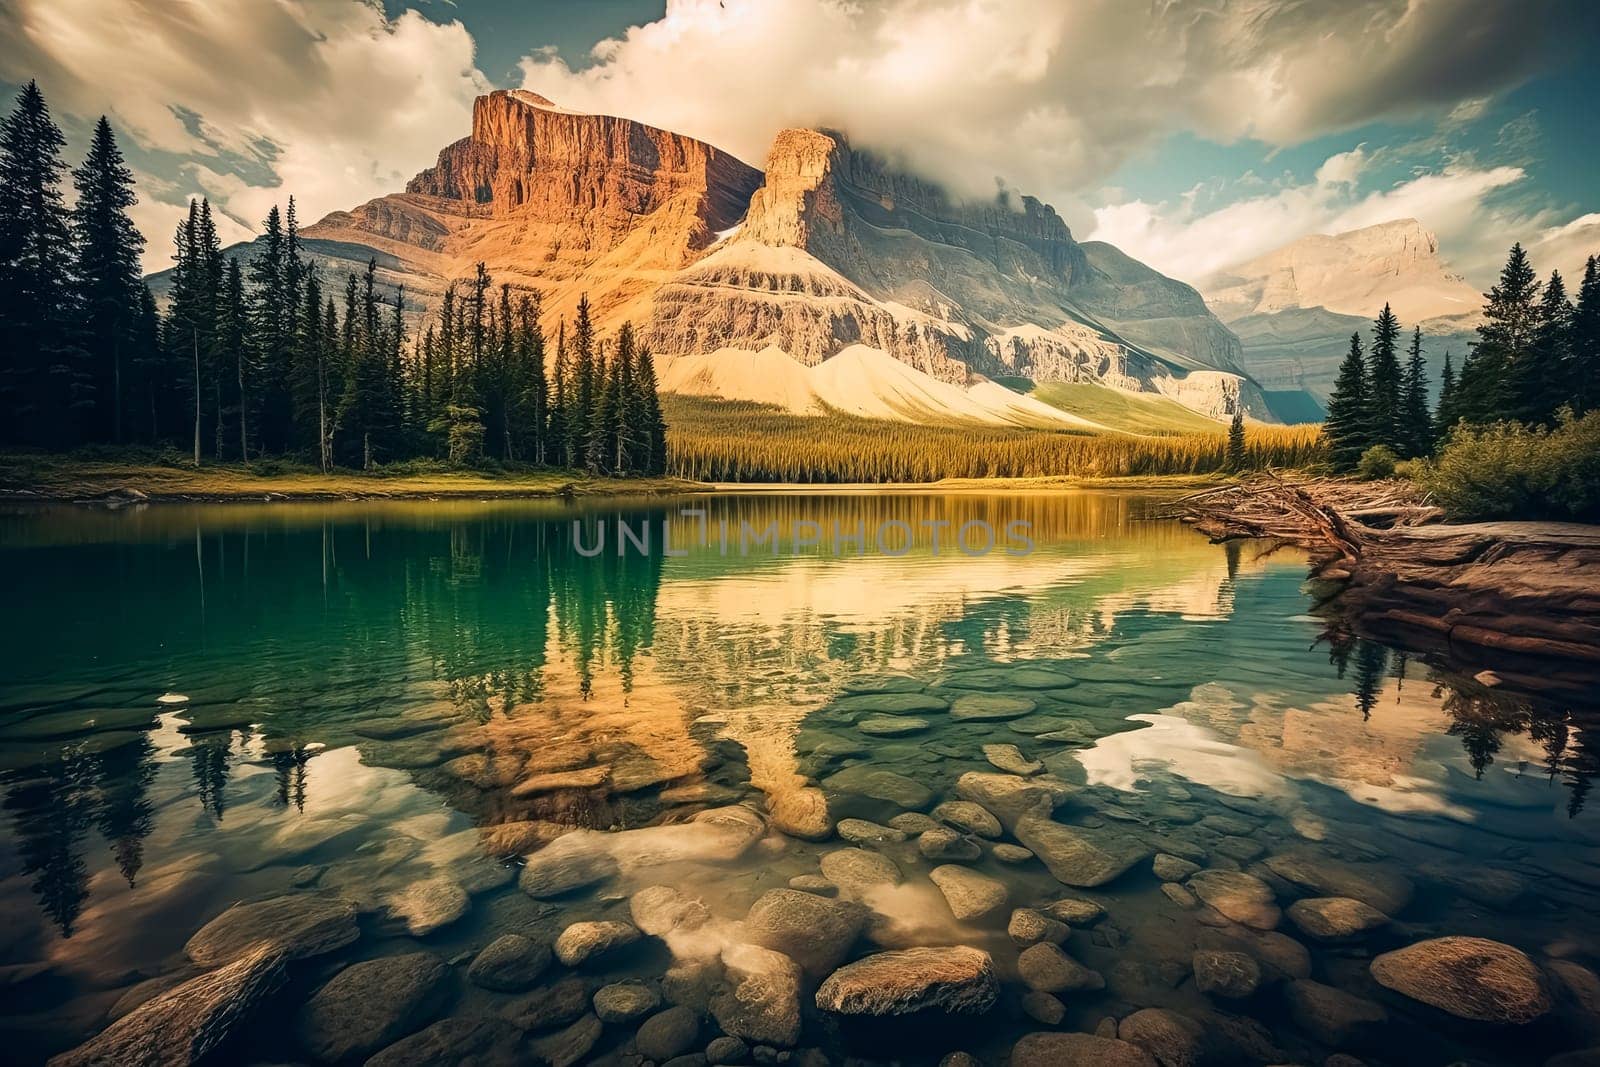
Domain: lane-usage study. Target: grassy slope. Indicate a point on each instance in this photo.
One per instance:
(76, 477)
(1124, 411)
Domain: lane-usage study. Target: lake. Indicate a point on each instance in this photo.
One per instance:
(346, 725)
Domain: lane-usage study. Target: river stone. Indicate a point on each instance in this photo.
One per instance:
(1077, 1050)
(1043, 1008)
(913, 823)
(1029, 927)
(990, 707)
(370, 1005)
(457, 1041)
(813, 931)
(726, 1050)
(942, 843)
(143, 992)
(1369, 883)
(1469, 977)
(623, 1002)
(1010, 796)
(1335, 918)
(969, 894)
(1280, 955)
(569, 1046)
(891, 727)
(660, 909)
(1009, 853)
(892, 703)
(864, 780)
(855, 870)
(1229, 825)
(883, 683)
(301, 925)
(1170, 868)
(1009, 758)
(762, 1003)
(1332, 1016)
(801, 813)
(814, 884)
(1173, 1039)
(572, 862)
(669, 1033)
(1045, 723)
(547, 1006)
(1226, 974)
(429, 905)
(1040, 678)
(189, 1022)
(1244, 898)
(1074, 911)
(1048, 969)
(1180, 896)
(968, 816)
(956, 979)
(860, 831)
(1078, 855)
(585, 940)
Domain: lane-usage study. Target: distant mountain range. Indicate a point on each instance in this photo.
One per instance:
(750, 284)
(1295, 308)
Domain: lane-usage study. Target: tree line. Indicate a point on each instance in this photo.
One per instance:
(1536, 362)
(265, 357)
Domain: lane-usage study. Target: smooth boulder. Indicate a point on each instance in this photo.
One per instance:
(956, 979)
(1468, 977)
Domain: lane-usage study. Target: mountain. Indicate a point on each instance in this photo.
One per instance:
(829, 251)
(1295, 308)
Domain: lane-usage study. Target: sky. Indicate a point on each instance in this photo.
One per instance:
(1193, 134)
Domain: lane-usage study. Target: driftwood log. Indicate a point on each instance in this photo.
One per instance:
(1526, 594)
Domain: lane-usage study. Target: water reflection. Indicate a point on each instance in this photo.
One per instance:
(374, 695)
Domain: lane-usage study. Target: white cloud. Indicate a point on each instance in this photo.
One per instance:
(1049, 96)
(325, 99)
(1454, 202)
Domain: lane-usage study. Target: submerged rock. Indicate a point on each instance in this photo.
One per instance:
(300, 925)
(990, 707)
(1170, 868)
(1172, 1038)
(762, 1002)
(1469, 977)
(863, 780)
(1029, 927)
(429, 905)
(892, 727)
(623, 1002)
(1369, 883)
(855, 870)
(968, 816)
(913, 823)
(569, 1046)
(669, 1033)
(1080, 856)
(1010, 796)
(584, 941)
(942, 843)
(813, 931)
(1077, 1050)
(370, 1005)
(190, 1022)
(1008, 853)
(1075, 911)
(552, 1005)
(801, 813)
(457, 1041)
(1226, 974)
(969, 894)
(1241, 897)
(892, 703)
(1335, 918)
(660, 909)
(1332, 1016)
(1043, 1008)
(1009, 758)
(1049, 970)
(957, 979)
(860, 831)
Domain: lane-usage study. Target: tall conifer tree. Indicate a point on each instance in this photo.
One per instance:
(1416, 427)
(1383, 383)
(1347, 426)
(109, 290)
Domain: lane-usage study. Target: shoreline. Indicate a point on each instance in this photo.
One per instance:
(40, 479)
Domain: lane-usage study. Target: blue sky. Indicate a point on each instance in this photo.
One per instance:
(1193, 134)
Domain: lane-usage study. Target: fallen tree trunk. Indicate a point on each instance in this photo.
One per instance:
(1520, 591)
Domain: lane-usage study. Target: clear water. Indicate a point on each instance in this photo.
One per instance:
(356, 697)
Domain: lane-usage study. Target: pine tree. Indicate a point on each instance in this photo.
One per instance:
(1546, 380)
(533, 400)
(151, 382)
(558, 433)
(331, 385)
(1445, 415)
(1236, 453)
(109, 289)
(43, 382)
(1347, 426)
(1585, 381)
(233, 336)
(1383, 384)
(271, 322)
(655, 427)
(581, 401)
(602, 417)
(1490, 385)
(1416, 428)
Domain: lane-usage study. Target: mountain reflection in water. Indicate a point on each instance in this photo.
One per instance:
(378, 693)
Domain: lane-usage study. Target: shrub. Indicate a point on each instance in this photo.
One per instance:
(1379, 461)
(1511, 471)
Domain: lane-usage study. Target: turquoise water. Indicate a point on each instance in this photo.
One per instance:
(221, 704)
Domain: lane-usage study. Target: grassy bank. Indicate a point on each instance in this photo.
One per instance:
(160, 476)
